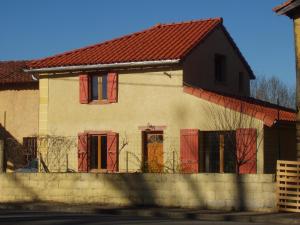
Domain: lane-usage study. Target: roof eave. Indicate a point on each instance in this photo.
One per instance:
(288, 9)
(103, 66)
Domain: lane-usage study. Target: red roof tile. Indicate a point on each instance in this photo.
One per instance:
(12, 72)
(160, 42)
(264, 111)
(281, 6)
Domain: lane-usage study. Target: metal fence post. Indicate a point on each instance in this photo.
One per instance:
(173, 161)
(126, 161)
(2, 167)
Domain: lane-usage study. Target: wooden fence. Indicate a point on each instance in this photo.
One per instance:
(288, 186)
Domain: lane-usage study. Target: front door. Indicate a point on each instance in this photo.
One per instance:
(153, 151)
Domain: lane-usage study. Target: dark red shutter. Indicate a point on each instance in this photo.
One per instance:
(112, 87)
(83, 152)
(84, 89)
(246, 150)
(112, 152)
(189, 150)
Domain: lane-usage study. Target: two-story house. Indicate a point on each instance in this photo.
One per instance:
(171, 98)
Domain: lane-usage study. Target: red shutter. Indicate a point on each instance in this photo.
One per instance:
(189, 150)
(84, 89)
(246, 150)
(112, 152)
(83, 152)
(112, 87)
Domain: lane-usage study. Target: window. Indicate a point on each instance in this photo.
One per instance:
(218, 154)
(99, 87)
(98, 152)
(30, 148)
(241, 82)
(220, 68)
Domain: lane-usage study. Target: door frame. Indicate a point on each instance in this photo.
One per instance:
(144, 145)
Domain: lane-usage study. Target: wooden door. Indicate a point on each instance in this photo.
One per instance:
(153, 154)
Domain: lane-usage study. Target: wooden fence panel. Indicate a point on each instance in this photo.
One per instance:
(288, 186)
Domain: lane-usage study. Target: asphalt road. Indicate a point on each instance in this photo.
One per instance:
(40, 218)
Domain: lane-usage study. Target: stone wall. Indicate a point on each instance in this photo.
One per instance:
(255, 192)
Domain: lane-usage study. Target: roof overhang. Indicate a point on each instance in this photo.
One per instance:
(103, 66)
(287, 8)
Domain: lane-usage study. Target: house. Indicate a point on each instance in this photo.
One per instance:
(171, 98)
(19, 104)
(291, 8)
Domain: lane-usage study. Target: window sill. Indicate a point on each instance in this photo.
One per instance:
(98, 171)
(99, 102)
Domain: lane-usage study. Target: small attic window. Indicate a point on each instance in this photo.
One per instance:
(220, 68)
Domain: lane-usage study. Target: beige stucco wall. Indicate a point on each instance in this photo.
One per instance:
(254, 192)
(199, 65)
(144, 98)
(21, 106)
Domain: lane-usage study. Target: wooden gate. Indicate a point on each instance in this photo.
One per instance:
(288, 186)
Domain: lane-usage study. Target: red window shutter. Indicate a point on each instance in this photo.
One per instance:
(112, 87)
(112, 152)
(84, 89)
(83, 162)
(246, 150)
(189, 150)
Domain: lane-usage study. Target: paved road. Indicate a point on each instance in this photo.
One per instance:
(40, 218)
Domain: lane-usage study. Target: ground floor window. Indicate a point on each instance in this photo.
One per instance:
(218, 152)
(30, 148)
(98, 152)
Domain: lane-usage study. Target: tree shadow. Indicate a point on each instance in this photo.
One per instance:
(13, 151)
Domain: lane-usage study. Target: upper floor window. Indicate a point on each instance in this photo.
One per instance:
(99, 88)
(241, 82)
(220, 68)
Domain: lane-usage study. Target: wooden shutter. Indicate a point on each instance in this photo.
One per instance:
(84, 89)
(112, 152)
(83, 162)
(112, 87)
(246, 150)
(189, 150)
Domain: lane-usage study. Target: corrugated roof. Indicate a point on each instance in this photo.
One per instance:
(12, 72)
(267, 112)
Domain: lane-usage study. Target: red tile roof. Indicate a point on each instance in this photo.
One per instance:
(264, 111)
(281, 6)
(12, 72)
(160, 42)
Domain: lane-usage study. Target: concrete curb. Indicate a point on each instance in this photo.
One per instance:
(166, 213)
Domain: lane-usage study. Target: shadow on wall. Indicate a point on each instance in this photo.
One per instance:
(14, 154)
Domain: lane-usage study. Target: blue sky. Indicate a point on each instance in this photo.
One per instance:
(34, 28)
